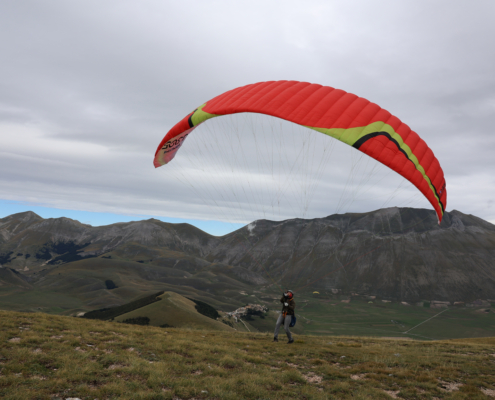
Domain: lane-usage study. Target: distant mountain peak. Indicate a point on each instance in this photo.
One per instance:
(25, 216)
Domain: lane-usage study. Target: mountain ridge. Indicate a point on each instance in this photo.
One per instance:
(396, 253)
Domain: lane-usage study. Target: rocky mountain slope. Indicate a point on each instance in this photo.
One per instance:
(395, 253)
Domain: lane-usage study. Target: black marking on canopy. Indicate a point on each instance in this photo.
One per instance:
(362, 140)
(189, 120)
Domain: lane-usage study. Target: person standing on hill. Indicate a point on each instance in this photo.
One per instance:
(285, 316)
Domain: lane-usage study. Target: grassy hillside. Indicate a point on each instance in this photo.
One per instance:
(55, 357)
(176, 311)
(81, 286)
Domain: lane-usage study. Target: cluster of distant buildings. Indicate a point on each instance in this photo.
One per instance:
(250, 309)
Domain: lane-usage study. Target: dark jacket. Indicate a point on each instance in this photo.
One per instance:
(290, 308)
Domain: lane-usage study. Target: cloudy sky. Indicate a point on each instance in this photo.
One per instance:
(89, 88)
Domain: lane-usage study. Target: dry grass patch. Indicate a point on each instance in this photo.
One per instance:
(292, 365)
(115, 366)
(80, 350)
(311, 377)
(393, 393)
(488, 392)
(449, 386)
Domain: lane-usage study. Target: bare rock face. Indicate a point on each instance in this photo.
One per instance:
(395, 253)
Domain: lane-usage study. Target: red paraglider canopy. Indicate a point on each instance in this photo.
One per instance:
(341, 115)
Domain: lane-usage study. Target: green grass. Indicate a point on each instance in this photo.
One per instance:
(47, 357)
(47, 301)
(363, 319)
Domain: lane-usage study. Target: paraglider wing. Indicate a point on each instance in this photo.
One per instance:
(341, 115)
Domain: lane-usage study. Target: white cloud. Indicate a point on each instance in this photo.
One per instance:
(87, 90)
